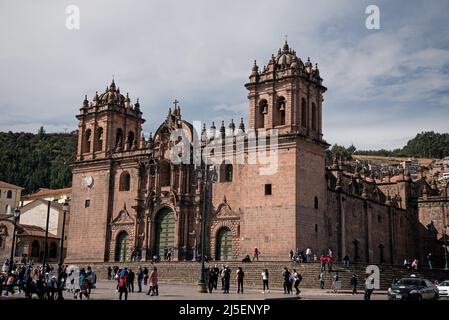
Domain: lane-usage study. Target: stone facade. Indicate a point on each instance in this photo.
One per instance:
(130, 200)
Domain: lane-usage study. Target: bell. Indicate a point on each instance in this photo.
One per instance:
(282, 108)
(265, 109)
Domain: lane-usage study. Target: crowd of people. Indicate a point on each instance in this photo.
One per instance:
(45, 281)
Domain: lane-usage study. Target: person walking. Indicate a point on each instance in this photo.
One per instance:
(240, 276)
(139, 279)
(321, 278)
(131, 277)
(123, 285)
(286, 277)
(297, 278)
(265, 276)
(154, 287)
(354, 284)
(256, 254)
(222, 275)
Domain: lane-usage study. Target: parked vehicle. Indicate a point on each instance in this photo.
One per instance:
(413, 288)
(443, 289)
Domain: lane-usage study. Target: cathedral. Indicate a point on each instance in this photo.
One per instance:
(131, 201)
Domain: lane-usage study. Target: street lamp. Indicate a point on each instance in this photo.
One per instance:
(207, 176)
(446, 267)
(65, 208)
(11, 260)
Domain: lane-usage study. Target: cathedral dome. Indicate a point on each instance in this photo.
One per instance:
(286, 56)
(112, 95)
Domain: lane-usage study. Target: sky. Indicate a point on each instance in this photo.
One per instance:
(384, 86)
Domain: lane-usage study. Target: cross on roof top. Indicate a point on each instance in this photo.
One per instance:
(175, 103)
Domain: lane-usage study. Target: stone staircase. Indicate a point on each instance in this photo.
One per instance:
(181, 272)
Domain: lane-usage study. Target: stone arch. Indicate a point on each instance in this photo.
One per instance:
(164, 230)
(99, 140)
(279, 111)
(130, 141)
(87, 141)
(261, 111)
(119, 139)
(233, 225)
(124, 181)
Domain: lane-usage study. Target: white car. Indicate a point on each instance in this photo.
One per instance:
(443, 289)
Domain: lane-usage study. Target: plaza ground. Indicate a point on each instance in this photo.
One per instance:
(106, 290)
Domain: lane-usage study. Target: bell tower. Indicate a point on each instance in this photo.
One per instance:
(109, 123)
(286, 94)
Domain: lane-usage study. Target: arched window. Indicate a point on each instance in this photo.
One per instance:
(53, 252)
(303, 113)
(280, 109)
(8, 209)
(316, 203)
(99, 140)
(35, 249)
(9, 194)
(164, 173)
(314, 117)
(1, 242)
(125, 181)
(263, 110)
(87, 140)
(130, 140)
(119, 139)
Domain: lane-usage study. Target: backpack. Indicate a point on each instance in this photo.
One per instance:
(122, 282)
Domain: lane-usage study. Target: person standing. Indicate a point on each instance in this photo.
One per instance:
(368, 289)
(346, 261)
(415, 264)
(222, 275)
(216, 274)
(145, 276)
(286, 277)
(354, 284)
(322, 263)
(227, 279)
(240, 276)
(139, 279)
(256, 254)
(321, 277)
(109, 273)
(265, 276)
(210, 278)
(309, 255)
(131, 277)
(335, 283)
(123, 285)
(429, 260)
(297, 278)
(329, 261)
